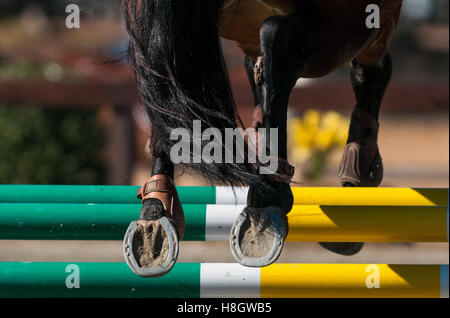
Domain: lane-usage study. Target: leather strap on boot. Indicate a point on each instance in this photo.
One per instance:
(162, 188)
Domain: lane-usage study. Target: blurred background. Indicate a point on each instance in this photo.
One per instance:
(69, 114)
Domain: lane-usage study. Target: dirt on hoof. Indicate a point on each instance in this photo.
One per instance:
(150, 244)
(257, 235)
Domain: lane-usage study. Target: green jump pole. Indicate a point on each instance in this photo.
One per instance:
(69, 280)
(56, 221)
(94, 194)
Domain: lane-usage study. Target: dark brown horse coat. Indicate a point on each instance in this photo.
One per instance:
(336, 29)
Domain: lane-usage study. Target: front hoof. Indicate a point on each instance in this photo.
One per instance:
(361, 167)
(151, 247)
(258, 235)
(345, 249)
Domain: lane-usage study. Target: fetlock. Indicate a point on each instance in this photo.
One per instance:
(152, 209)
(277, 194)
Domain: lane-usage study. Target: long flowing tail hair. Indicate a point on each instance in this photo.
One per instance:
(177, 58)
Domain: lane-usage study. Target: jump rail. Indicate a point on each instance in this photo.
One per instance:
(308, 223)
(320, 214)
(224, 195)
(224, 280)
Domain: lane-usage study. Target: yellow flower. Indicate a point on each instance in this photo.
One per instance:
(320, 132)
(342, 132)
(311, 119)
(324, 140)
(306, 138)
(299, 136)
(331, 121)
(313, 136)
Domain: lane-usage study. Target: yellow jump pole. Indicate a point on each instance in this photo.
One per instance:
(354, 281)
(367, 224)
(370, 196)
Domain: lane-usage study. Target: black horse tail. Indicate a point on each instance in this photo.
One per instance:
(181, 75)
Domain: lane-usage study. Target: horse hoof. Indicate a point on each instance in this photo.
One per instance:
(346, 249)
(258, 235)
(151, 247)
(361, 168)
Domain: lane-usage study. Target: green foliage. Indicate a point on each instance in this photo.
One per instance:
(22, 69)
(19, 69)
(48, 146)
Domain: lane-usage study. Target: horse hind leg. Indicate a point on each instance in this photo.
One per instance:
(257, 113)
(258, 235)
(151, 243)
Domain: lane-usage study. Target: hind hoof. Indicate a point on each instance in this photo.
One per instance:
(151, 247)
(258, 235)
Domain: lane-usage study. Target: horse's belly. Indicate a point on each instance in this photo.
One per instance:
(241, 21)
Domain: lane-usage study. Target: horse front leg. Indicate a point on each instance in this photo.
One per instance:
(258, 235)
(151, 243)
(361, 164)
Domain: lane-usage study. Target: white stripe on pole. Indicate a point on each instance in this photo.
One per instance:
(225, 195)
(219, 220)
(229, 280)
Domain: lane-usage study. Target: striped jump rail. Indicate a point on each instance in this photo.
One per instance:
(224, 195)
(319, 214)
(111, 280)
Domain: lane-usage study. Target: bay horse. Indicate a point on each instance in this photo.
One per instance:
(176, 54)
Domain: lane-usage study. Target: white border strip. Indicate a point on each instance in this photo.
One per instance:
(229, 281)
